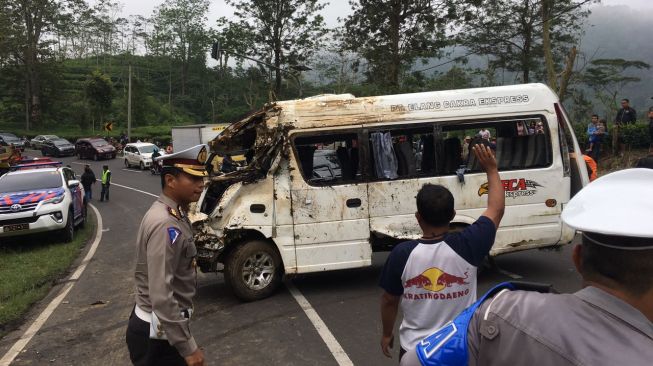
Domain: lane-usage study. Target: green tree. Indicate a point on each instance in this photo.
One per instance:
(606, 77)
(286, 33)
(392, 34)
(180, 33)
(99, 95)
(28, 22)
(513, 33)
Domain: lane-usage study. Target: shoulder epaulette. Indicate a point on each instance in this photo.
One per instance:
(174, 213)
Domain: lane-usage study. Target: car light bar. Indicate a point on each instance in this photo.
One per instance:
(49, 164)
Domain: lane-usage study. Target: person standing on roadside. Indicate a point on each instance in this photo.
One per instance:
(625, 116)
(88, 179)
(608, 322)
(595, 134)
(106, 183)
(434, 278)
(159, 331)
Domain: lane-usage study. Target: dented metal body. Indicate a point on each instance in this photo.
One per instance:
(317, 226)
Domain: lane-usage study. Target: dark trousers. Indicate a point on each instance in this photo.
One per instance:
(104, 193)
(144, 351)
(596, 150)
(402, 352)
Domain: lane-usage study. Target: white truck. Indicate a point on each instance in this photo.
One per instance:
(184, 137)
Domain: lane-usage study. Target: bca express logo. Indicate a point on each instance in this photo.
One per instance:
(514, 187)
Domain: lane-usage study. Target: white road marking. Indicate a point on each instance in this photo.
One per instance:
(134, 189)
(514, 276)
(131, 170)
(322, 329)
(70, 282)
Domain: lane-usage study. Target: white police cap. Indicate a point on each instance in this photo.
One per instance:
(618, 204)
(191, 160)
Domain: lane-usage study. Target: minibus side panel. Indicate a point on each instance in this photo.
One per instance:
(330, 221)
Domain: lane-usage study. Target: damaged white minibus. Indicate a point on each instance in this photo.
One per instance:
(333, 178)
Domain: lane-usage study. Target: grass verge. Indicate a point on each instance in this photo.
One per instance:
(31, 265)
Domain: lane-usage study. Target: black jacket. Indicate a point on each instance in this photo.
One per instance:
(626, 116)
(88, 178)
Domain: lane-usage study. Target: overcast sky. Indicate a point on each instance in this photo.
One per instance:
(331, 13)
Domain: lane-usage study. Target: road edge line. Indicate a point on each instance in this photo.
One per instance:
(36, 325)
(336, 349)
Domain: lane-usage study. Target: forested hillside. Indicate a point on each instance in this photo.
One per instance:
(64, 65)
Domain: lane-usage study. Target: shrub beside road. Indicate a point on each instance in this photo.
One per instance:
(31, 265)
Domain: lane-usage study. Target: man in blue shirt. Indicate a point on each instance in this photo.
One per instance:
(595, 134)
(434, 278)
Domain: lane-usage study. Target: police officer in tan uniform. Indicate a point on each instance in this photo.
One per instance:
(159, 330)
(608, 322)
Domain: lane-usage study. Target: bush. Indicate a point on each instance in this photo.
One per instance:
(635, 135)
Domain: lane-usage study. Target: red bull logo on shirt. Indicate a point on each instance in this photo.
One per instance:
(434, 279)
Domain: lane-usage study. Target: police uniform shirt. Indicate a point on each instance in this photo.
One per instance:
(165, 271)
(436, 279)
(589, 327)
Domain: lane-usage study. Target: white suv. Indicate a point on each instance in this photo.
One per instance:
(139, 154)
(34, 200)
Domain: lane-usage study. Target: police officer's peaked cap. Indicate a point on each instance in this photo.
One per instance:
(191, 160)
(618, 204)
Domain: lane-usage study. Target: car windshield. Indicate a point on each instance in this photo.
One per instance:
(146, 149)
(99, 143)
(61, 142)
(50, 137)
(30, 181)
(9, 137)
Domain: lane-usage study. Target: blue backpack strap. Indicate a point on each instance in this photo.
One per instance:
(448, 345)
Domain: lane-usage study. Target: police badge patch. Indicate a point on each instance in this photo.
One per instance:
(173, 234)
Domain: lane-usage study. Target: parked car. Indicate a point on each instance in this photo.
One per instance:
(139, 154)
(94, 148)
(37, 142)
(57, 147)
(36, 199)
(9, 139)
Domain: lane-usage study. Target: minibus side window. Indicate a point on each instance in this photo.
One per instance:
(328, 159)
(402, 153)
(518, 144)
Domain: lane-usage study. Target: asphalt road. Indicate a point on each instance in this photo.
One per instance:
(88, 327)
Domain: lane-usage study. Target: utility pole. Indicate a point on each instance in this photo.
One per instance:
(129, 105)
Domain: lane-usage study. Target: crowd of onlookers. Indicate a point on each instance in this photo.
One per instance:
(597, 133)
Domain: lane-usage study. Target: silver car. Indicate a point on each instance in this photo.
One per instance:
(37, 142)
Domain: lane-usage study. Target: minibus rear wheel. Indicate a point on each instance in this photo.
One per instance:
(253, 270)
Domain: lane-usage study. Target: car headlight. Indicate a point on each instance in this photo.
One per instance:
(54, 200)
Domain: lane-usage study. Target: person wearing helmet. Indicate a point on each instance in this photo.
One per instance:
(608, 322)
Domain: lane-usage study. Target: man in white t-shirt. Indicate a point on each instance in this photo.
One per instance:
(434, 278)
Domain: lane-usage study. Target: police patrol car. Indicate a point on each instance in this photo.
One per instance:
(41, 197)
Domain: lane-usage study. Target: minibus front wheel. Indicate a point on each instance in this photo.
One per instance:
(253, 270)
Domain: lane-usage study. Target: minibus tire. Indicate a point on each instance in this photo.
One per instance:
(257, 255)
